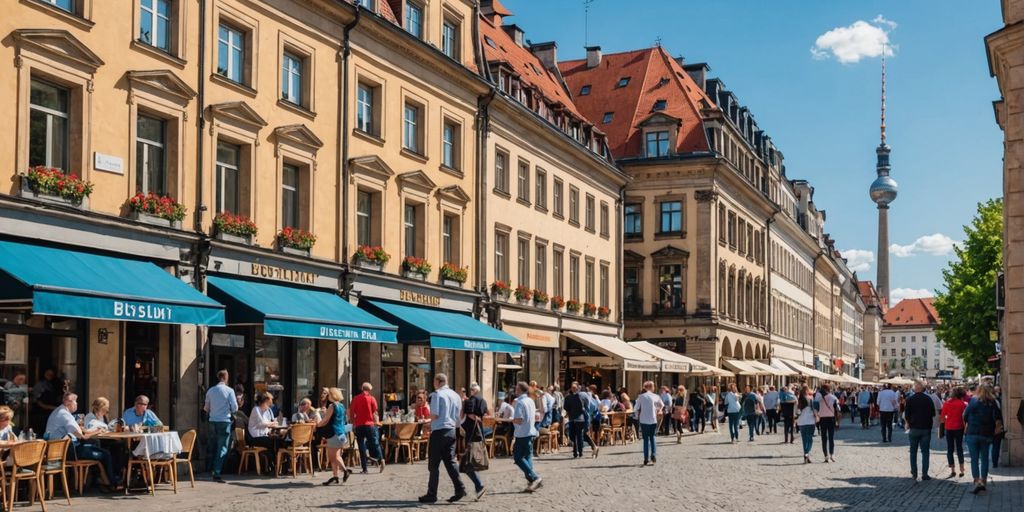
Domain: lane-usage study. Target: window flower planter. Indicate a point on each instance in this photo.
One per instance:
(453, 276)
(370, 257)
(500, 291)
(557, 302)
(451, 283)
(573, 307)
(237, 239)
(238, 229)
(153, 220)
(293, 251)
(412, 274)
(370, 265)
(294, 241)
(415, 268)
(156, 210)
(32, 192)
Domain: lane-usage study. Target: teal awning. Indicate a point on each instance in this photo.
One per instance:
(298, 312)
(444, 329)
(79, 284)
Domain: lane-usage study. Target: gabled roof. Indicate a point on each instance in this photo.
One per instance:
(653, 75)
(913, 312)
(522, 61)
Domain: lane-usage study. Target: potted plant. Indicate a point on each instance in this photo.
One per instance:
(415, 268)
(557, 302)
(295, 241)
(603, 312)
(573, 306)
(523, 294)
(453, 275)
(500, 290)
(540, 299)
(589, 309)
(156, 210)
(53, 185)
(234, 228)
(370, 257)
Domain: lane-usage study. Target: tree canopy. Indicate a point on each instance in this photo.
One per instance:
(967, 307)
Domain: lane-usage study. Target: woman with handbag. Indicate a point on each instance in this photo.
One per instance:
(334, 419)
(474, 458)
(679, 412)
(952, 428)
(983, 422)
(806, 421)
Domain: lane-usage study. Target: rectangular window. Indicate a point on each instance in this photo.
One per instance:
(155, 23)
(410, 132)
(501, 171)
(913, 351)
(540, 195)
(447, 225)
(450, 39)
(632, 302)
(742, 242)
(414, 19)
(523, 190)
(556, 196)
(540, 267)
(633, 217)
(523, 260)
(364, 217)
(657, 144)
(150, 160)
(291, 78)
(228, 177)
(605, 293)
(231, 53)
(365, 3)
(364, 110)
(501, 257)
(411, 228)
(671, 221)
(670, 287)
(588, 212)
(604, 219)
(924, 352)
(49, 122)
(450, 145)
(574, 277)
(589, 276)
(732, 229)
(289, 196)
(556, 272)
(64, 5)
(574, 205)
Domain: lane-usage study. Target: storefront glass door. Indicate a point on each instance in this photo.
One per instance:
(141, 363)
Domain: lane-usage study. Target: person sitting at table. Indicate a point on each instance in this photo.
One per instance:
(505, 412)
(61, 424)
(141, 414)
(422, 407)
(97, 417)
(306, 413)
(260, 420)
(240, 418)
(7, 437)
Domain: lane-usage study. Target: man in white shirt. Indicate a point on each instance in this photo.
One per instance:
(888, 405)
(648, 409)
(771, 408)
(525, 432)
(62, 423)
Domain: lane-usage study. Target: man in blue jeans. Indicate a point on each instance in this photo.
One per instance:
(919, 412)
(648, 408)
(524, 417)
(750, 402)
(221, 405)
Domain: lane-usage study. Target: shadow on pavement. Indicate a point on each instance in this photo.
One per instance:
(881, 493)
(374, 504)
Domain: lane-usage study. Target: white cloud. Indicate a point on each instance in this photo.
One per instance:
(899, 294)
(935, 244)
(850, 44)
(858, 260)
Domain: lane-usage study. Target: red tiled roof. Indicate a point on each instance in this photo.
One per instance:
(523, 62)
(387, 10)
(913, 312)
(654, 75)
(500, 9)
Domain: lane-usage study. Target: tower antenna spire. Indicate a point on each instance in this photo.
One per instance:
(883, 94)
(586, 22)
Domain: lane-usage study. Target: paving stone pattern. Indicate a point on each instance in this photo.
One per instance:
(703, 473)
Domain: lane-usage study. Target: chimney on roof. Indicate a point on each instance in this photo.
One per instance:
(515, 33)
(546, 53)
(593, 56)
(698, 71)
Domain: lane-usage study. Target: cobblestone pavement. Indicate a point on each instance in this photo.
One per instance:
(702, 473)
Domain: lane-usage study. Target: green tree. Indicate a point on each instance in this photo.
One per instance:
(968, 305)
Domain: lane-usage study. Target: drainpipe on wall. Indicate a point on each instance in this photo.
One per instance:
(766, 247)
(202, 247)
(619, 271)
(814, 303)
(343, 139)
(483, 123)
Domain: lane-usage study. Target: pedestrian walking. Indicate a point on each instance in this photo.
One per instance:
(474, 408)
(919, 414)
(648, 410)
(445, 410)
(762, 421)
(788, 411)
(698, 402)
(749, 408)
(576, 414)
(952, 428)
(771, 407)
(732, 411)
(713, 403)
(864, 407)
(220, 405)
(984, 421)
(888, 404)
(666, 398)
(524, 419)
(806, 421)
(363, 415)
(829, 418)
(334, 421)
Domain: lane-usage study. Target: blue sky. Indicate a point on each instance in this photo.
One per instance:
(823, 114)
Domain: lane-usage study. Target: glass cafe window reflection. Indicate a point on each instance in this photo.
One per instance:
(267, 377)
(392, 376)
(305, 371)
(419, 371)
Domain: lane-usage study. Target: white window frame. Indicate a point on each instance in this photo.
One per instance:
(221, 175)
(50, 114)
(148, 8)
(235, 42)
(364, 108)
(291, 78)
(410, 128)
(143, 173)
(286, 189)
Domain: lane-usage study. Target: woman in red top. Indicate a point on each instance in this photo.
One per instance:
(953, 420)
(422, 408)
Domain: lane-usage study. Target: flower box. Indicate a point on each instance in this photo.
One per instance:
(500, 290)
(370, 257)
(452, 275)
(237, 239)
(499, 297)
(573, 307)
(415, 268)
(412, 274)
(293, 251)
(451, 283)
(153, 220)
(370, 265)
(28, 192)
(294, 241)
(234, 228)
(557, 302)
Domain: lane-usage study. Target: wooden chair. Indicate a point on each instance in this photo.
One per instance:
(56, 458)
(188, 444)
(149, 468)
(246, 452)
(549, 437)
(404, 437)
(488, 422)
(27, 459)
(350, 454)
(80, 468)
(616, 427)
(302, 435)
(422, 441)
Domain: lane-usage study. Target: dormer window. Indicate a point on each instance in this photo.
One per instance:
(607, 117)
(585, 90)
(659, 105)
(414, 19)
(657, 143)
(624, 81)
(490, 42)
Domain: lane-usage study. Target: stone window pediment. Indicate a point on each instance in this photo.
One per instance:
(670, 253)
(659, 119)
(162, 83)
(238, 112)
(416, 180)
(633, 256)
(371, 166)
(454, 194)
(299, 135)
(57, 45)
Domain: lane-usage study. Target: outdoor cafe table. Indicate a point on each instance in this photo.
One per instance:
(151, 445)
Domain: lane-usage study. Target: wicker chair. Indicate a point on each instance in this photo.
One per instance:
(405, 437)
(616, 427)
(421, 441)
(149, 466)
(80, 468)
(55, 465)
(27, 459)
(188, 444)
(246, 452)
(548, 438)
(302, 435)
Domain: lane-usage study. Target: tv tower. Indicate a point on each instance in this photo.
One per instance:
(883, 192)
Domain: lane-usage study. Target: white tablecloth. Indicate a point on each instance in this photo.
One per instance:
(158, 445)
